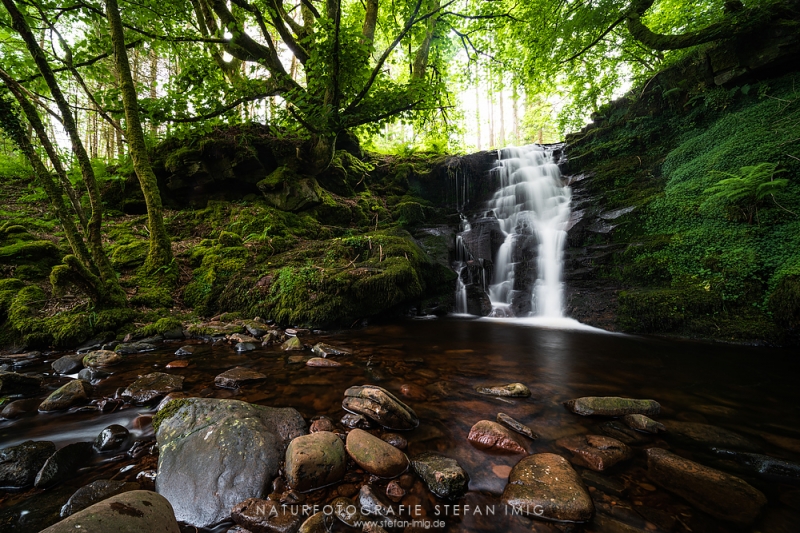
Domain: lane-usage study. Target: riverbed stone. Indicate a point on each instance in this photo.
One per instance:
(373, 506)
(63, 463)
(352, 420)
(111, 438)
(256, 329)
(315, 460)
(544, 485)
(322, 363)
(709, 436)
(242, 338)
(92, 375)
(517, 426)
(595, 451)
(293, 344)
(20, 408)
(185, 351)
(763, 465)
(153, 386)
(265, 516)
(315, 524)
(21, 360)
(643, 423)
(14, 383)
(215, 454)
(68, 364)
(488, 435)
(236, 377)
(136, 511)
(381, 406)
(512, 390)
(94, 492)
(347, 511)
(19, 464)
(442, 475)
(721, 495)
(322, 423)
(374, 455)
(101, 359)
(612, 406)
(128, 348)
(72, 393)
(326, 350)
(245, 347)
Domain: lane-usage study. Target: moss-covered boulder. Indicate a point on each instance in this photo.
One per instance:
(286, 190)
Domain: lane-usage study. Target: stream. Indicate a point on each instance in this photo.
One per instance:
(749, 390)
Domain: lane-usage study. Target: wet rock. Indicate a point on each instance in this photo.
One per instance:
(372, 504)
(256, 329)
(265, 516)
(214, 454)
(20, 408)
(152, 386)
(381, 406)
(63, 463)
(185, 351)
(111, 438)
(128, 348)
(316, 523)
(13, 383)
(605, 484)
(315, 460)
(413, 392)
(512, 390)
(69, 364)
(236, 377)
(612, 406)
(395, 440)
(347, 511)
(245, 347)
(101, 359)
(721, 495)
(326, 350)
(643, 423)
(519, 427)
(622, 433)
(352, 420)
(178, 363)
(242, 338)
(544, 485)
(394, 491)
(488, 435)
(21, 360)
(374, 455)
(595, 451)
(442, 475)
(763, 465)
(297, 359)
(169, 397)
(136, 511)
(320, 362)
(709, 436)
(74, 392)
(322, 424)
(94, 492)
(19, 464)
(293, 344)
(92, 375)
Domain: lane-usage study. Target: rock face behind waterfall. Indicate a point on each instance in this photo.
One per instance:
(214, 454)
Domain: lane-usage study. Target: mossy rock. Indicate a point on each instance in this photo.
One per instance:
(286, 190)
(129, 255)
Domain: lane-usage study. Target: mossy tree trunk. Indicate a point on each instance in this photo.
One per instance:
(160, 253)
(114, 293)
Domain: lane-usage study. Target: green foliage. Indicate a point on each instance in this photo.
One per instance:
(747, 190)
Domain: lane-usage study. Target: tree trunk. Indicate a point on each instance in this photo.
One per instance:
(370, 21)
(160, 253)
(107, 274)
(515, 113)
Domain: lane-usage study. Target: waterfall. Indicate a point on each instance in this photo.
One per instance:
(532, 207)
(462, 256)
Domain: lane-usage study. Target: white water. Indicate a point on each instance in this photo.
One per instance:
(531, 200)
(462, 256)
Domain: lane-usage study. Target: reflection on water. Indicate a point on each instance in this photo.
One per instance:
(750, 390)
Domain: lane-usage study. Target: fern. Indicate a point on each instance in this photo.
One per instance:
(747, 189)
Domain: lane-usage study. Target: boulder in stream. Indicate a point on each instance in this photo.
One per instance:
(19, 464)
(215, 454)
(265, 516)
(488, 435)
(13, 383)
(293, 344)
(68, 364)
(94, 492)
(517, 426)
(643, 423)
(153, 386)
(612, 406)
(595, 451)
(512, 390)
(111, 438)
(136, 511)
(101, 359)
(442, 475)
(74, 392)
(709, 436)
(315, 460)
(544, 485)
(374, 455)
(721, 495)
(62, 465)
(236, 377)
(381, 406)
(763, 465)
(326, 350)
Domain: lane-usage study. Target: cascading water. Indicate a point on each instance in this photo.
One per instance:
(462, 256)
(532, 206)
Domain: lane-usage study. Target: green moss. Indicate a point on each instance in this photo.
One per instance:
(129, 255)
(161, 326)
(168, 411)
